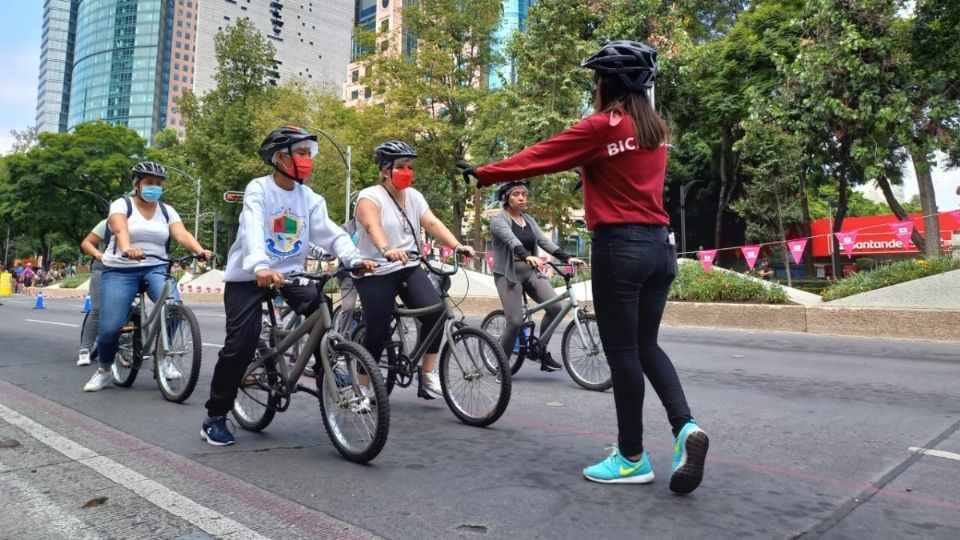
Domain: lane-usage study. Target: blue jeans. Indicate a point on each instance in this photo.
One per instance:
(633, 266)
(118, 288)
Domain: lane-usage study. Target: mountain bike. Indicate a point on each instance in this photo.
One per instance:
(583, 355)
(167, 337)
(474, 373)
(356, 417)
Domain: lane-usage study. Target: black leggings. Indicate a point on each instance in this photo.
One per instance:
(377, 294)
(633, 266)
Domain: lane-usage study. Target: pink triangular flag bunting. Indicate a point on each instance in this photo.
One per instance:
(751, 253)
(490, 260)
(427, 249)
(445, 253)
(956, 215)
(797, 248)
(848, 240)
(902, 230)
(707, 256)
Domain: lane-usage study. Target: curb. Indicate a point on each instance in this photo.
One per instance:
(923, 324)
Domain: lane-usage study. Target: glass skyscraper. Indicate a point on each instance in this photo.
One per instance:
(56, 64)
(117, 60)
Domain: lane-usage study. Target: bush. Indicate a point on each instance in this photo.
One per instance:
(890, 274)
(582, 274)
(694, 284)
(74, 282)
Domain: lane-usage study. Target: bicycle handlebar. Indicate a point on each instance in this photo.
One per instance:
(181, 260)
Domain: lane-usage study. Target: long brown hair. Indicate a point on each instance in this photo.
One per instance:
(650, 130)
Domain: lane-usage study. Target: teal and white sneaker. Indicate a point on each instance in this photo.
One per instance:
(617, 469)
(689, 456)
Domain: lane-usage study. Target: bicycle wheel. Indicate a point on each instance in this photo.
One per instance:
(178, 370)
(493, 324)
(586, 362)
(356, 418)
(126, 364)
(477, 396)
(255, 404)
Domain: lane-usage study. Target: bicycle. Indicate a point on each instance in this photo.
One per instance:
(589, 369)
(356, 417)
(168, 336)
(474, 374)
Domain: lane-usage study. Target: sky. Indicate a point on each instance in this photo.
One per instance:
(20, 29)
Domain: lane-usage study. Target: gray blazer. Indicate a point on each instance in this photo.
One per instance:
(504, 241)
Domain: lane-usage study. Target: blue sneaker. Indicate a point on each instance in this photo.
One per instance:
(215, 431)
(689, 456)
(617, 469)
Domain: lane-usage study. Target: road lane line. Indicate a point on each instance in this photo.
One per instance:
(935, 453)
(218, 345)
(208, 520)
(56, 323)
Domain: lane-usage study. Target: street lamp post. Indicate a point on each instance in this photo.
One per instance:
(684, 190)
(346, 154)
(196, 182)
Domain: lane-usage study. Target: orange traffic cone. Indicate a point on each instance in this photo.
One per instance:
(39, 304)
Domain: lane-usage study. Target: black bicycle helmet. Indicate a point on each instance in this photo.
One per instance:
(633, 62)
(282, 138)
(148, 168)
(390, 151)
(506, 188)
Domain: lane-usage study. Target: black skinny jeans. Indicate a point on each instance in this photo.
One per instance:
(377, 294)
(242, 301)
(633, 266)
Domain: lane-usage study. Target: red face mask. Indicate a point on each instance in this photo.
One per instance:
(300, 170)
(402, 178)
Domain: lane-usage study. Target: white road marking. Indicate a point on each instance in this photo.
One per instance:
(935, 453)
(221, 315)
(208, 520)
(56, 323)
(44, 512)
(217, 345)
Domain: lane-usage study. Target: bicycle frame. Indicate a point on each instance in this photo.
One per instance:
(155, 324)
(571, 304)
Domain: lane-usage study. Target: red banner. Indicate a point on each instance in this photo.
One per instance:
(875, 236)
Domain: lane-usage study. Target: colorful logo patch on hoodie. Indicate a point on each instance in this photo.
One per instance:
(285, 230)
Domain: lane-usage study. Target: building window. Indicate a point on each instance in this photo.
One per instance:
(355, 95)
(367, 93)
(355, 76)
(385, 3)
(385, 25)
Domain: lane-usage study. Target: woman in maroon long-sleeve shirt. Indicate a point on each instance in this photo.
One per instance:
(622, 153)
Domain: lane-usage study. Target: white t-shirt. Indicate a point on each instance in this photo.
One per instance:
(277, 227)
(150, 235)
(397, 229)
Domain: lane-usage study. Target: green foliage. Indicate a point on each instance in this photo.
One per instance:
(694, 284)
(74, 282)
(891, 274)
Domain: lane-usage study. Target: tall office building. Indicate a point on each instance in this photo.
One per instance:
(56, 64)
(386, 18)
(514, 18)
(312, 37)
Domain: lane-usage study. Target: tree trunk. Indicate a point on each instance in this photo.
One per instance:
(901, 214)
(928, 203)
(809, 269)
(783, 234)
(457, 228)
(729, 175)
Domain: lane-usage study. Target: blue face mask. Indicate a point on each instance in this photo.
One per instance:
(151, 193)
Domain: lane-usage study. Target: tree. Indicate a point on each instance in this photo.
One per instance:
(23, 139)
(61, 185)
(427, 96)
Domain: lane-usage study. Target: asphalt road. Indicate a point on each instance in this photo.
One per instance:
(811, 437)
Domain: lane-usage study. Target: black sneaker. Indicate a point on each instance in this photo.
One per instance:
(215, 431)
(547, 363)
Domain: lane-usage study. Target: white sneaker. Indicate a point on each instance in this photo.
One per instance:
(101, 378)
(431, 383)
(363, 406)
(83, 359)
(170, 372)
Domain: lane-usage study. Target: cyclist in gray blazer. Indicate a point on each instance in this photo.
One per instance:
(516, 268)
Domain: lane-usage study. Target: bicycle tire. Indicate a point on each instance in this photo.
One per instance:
(594, 361)
(498, 383)
(493, 324)
(248, 407)
(183, 356)
(129, 355)
(341, 418)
